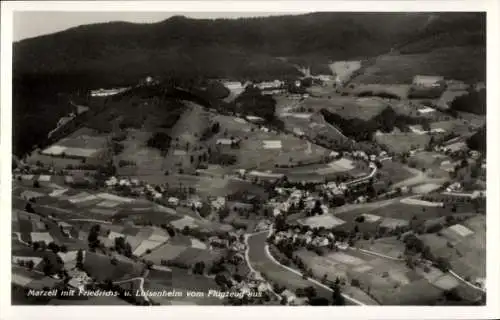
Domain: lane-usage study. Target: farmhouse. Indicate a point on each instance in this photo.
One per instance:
(64, 226)
(272, 144)
(227, 142)
(270, 84)
(447, 166)
(454, 187)
(254, 119)
(111, 182)
(324, 77)
(417, 129)
(79, 280)
(333, 155)
(455, 147)
(428, 81)
(425, 110)
(173, 201)
(233, 85)
(360, 154)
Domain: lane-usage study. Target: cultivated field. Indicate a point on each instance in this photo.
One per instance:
(393, 171)
(264, 149)
(408, 211)
(465, 251)
(190, 256)
(430, 161)
(386, 280)
(389, 246)
(100, 267)
(148, 161)
(399, 90)
(325, 220)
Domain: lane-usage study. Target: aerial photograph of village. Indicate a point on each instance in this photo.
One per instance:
(313, 159)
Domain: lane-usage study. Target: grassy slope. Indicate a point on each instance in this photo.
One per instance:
(466, 63)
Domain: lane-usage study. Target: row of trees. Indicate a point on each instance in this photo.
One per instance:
(414, 246)
(160, 141)
(473, 102)
(385, 121)
(478, 141)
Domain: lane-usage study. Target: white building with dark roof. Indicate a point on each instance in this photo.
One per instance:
(427, 81)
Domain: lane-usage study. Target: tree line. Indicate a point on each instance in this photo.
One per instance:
(361, 130)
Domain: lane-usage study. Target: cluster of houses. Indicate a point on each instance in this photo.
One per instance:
(294, 198)
(361, 155)
(267, 87)
(254, 283)
(136, 186)
(291, 298)
(332, 189)
(158, 192)
(309, 238)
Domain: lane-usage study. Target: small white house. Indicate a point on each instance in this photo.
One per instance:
(426, 110)
(454, 187)
(342, 245)
(333, 154)
(475, 154)
(173, 201)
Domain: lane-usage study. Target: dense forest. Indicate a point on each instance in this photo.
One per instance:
(473, 102)
(478, 141)
(252, 102)
(47, 68)
(363, 130)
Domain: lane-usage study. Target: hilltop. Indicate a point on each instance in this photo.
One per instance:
(188, 44)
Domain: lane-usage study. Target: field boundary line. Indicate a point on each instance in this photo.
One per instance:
(18, 234)
(141, 286)
(379, 254)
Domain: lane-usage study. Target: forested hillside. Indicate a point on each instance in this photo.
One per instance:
(113, 54)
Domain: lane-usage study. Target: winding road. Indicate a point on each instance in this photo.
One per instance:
(260, 259)
(141, 285)
(362, 179)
